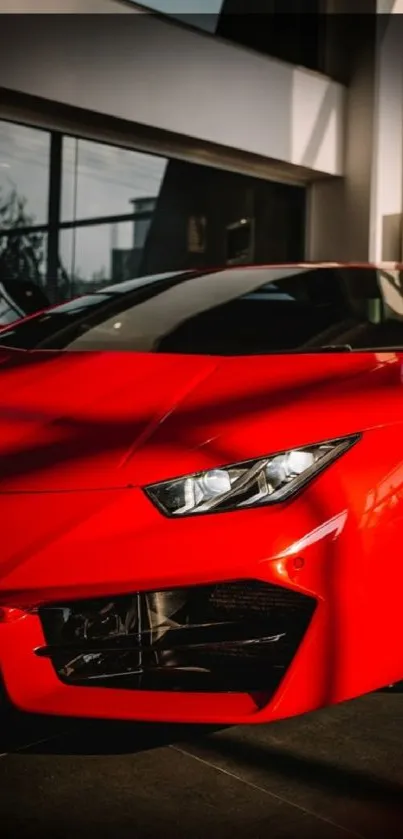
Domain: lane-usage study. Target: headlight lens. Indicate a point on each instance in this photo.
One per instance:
(251, 484)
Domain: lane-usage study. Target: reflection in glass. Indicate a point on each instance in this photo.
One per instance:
(383, 499)
(9, 311)
(22, 275)
(23, 258)
(98, 255)
(202, 14)
(220, 313)
(167, 215)
(24, 175)
(100, 180)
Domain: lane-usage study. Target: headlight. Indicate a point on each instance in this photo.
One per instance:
(251, 484)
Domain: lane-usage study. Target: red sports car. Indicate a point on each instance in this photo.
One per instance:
(201, 495)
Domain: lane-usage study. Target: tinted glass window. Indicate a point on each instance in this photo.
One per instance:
(230, 312)
(202, 14)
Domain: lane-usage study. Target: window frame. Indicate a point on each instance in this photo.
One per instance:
(54, 224)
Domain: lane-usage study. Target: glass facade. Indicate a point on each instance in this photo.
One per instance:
(99, 180)
(24, 208)
(203, 14)
(76, 215)
(111, 186)
(24, 174)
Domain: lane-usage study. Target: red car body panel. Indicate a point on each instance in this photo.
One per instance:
(76, 523)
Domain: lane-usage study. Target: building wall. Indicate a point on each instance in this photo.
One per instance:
(144, 69)
(345, 140)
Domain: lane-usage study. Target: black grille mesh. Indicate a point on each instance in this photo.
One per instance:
(235, 636)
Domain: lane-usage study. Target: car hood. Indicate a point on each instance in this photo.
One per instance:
(71, 421)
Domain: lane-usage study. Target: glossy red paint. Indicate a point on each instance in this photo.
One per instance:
(76, 523)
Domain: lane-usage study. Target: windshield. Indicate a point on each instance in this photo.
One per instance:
(236, 311)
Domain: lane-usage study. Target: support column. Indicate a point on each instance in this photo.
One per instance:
(339, 209)
(387, 165)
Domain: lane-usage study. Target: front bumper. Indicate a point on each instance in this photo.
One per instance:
(306, 552)
(219, 653)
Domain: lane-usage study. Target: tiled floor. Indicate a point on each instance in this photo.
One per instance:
(337, 773)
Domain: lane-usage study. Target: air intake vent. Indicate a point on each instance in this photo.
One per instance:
(238, 636)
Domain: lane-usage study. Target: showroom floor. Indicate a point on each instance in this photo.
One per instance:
(337, 773)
